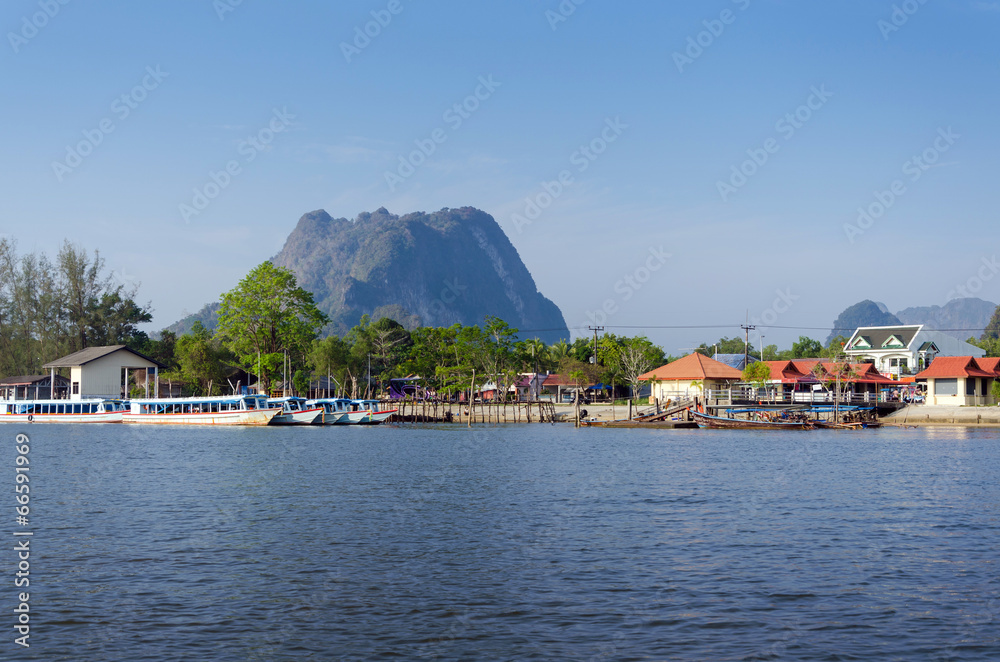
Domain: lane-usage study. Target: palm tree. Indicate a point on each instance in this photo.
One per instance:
(559, 351)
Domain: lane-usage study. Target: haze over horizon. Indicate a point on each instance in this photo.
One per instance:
(678, 164)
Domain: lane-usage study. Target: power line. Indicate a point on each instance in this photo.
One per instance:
(738, 326)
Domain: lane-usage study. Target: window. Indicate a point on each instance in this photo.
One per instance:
(970, 385)
(946, 386)
(76, 388)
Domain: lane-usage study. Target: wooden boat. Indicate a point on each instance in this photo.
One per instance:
(91, 410)
(708, 421)
(857, 425)
(294, 411)
(220, 410)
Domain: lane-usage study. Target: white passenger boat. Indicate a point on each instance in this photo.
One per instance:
(372, 414)
(345, 411)
(295, 411)
(91, 410)
(218, 410)
(335, 410)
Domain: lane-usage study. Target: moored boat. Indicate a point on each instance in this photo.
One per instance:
(372, 414)
(720, 422)
(294, 411)
(336, 411)
(91, 410)
(217, 410)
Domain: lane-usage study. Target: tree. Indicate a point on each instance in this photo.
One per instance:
(266, 315)
(201, 361)
(631, 357)
(83, 286)
(834, 348)
(806, 348)
(727, 346)
(758, 374)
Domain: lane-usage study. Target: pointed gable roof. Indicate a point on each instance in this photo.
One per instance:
(944, 367)
(787, 372)
(84, 356)
(876, 337)
(693, 367)
(989, 364)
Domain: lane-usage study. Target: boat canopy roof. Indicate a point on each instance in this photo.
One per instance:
(213, 398)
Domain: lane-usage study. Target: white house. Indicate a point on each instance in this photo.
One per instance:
(102, 372)
(904, 350)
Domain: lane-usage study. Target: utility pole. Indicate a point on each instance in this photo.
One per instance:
(747, 328)
(595, 329)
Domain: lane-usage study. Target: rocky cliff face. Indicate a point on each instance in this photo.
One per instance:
(451, 266)
(864, 313)
(961, 318)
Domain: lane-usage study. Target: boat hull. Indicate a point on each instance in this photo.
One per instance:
(106, 417)
(246, 417)
(305, 417)
(376, 417)
(719, 422)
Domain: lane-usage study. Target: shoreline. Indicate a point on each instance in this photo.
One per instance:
(944, 415)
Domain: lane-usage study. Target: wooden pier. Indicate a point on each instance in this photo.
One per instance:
(433, 411)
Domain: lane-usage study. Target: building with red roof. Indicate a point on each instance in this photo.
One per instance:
(961, 380)
(797, 379)
(689, 376)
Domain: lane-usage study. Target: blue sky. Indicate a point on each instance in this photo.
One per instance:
(656, 228)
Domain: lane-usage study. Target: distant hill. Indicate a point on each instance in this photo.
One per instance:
(865, 313)
(438, 269)
(208, 316)
(961, 318)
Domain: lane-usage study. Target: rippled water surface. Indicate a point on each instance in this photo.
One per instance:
(517, 542)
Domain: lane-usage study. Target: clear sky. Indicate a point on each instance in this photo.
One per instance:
(116, 114)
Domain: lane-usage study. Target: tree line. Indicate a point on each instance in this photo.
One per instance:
(50, 308)
(269, 330)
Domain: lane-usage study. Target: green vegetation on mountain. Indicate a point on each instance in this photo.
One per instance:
(865, 313)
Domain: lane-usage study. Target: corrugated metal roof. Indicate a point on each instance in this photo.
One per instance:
(85, 356)
(28, 380)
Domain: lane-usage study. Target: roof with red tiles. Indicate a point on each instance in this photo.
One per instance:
(954, 366)
(693, 367)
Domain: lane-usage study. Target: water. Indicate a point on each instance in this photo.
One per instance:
(517, 542)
